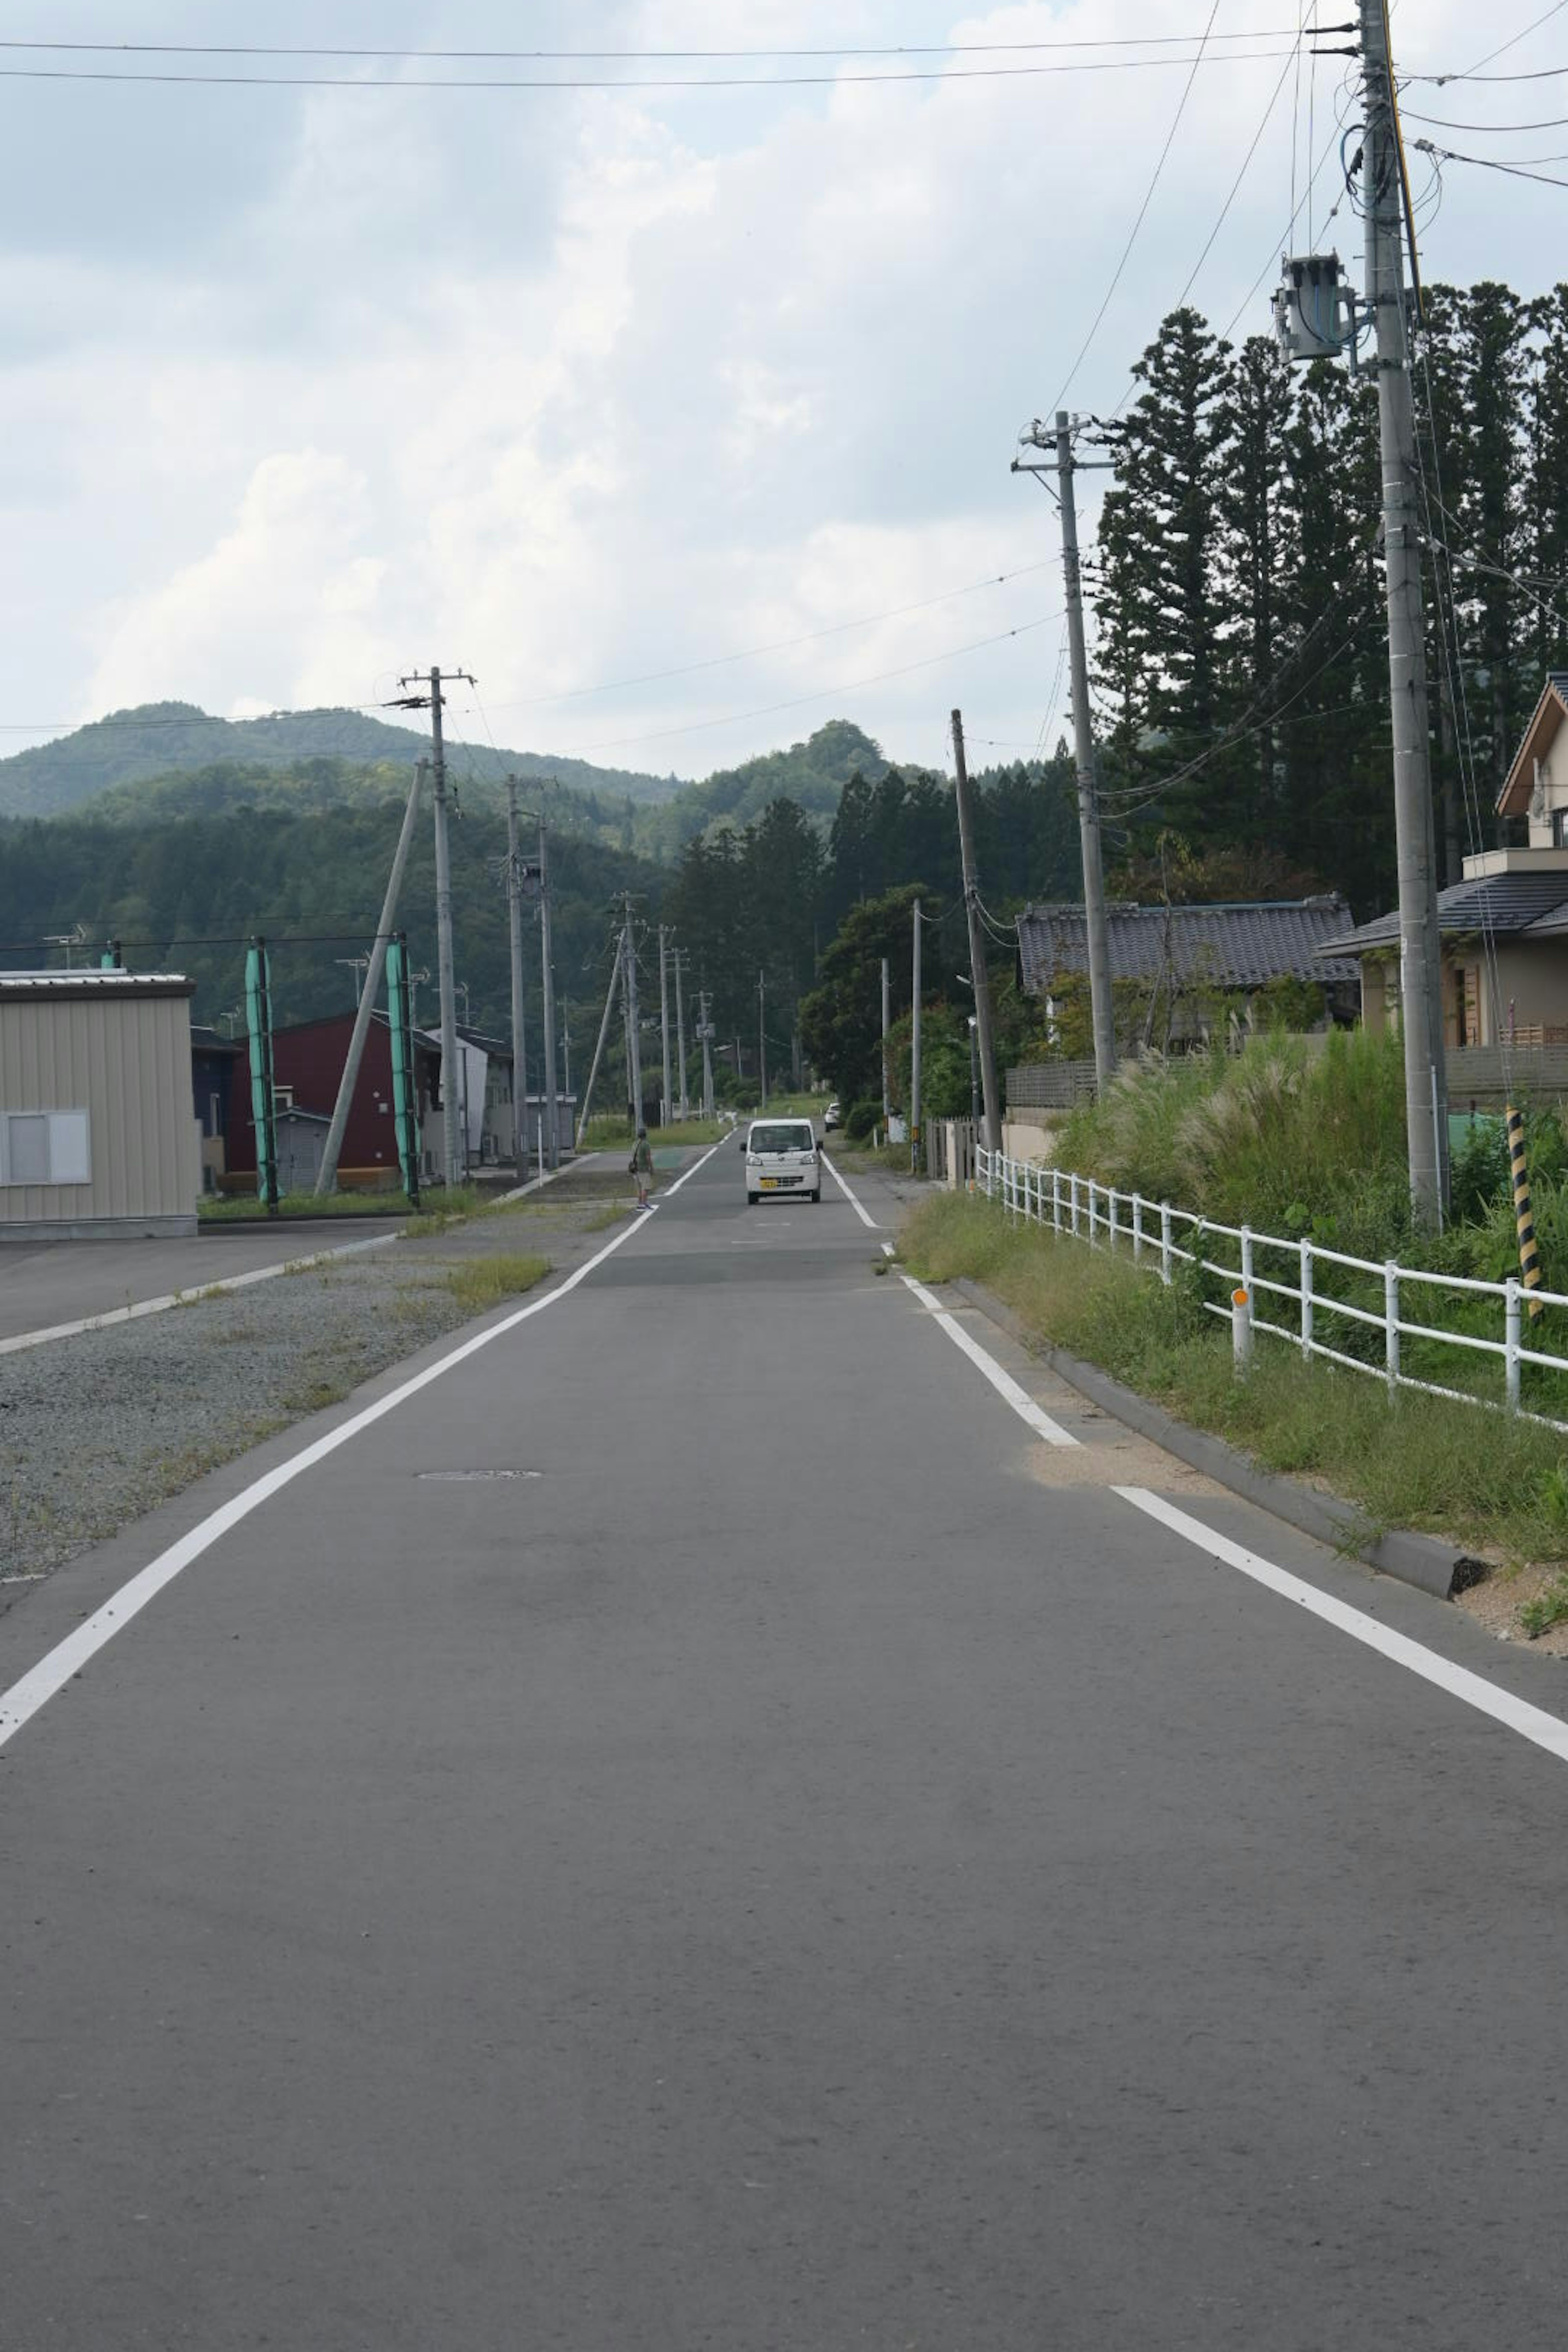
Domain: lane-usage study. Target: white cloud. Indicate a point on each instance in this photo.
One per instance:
(568, 388)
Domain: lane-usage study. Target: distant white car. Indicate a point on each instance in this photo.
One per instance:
(833, 1116)
(780, 1157)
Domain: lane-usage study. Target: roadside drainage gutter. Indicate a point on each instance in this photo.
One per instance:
(1425, 1562)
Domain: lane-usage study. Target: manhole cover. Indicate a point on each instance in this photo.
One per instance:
(468, 1477)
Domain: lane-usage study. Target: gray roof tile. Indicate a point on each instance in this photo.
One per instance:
(1230, 947)
(1505, 902)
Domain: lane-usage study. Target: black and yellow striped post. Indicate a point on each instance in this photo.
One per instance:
(1523, 1218)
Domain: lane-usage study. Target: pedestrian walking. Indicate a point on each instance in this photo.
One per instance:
(642, 1167)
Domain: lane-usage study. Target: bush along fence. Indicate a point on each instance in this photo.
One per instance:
(1408, 1326)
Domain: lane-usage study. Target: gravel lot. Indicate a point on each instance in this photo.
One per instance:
(96, 1430)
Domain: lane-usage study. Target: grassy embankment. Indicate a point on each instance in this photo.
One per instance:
(1312, 1144)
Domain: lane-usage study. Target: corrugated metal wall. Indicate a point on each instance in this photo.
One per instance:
(127, 1063)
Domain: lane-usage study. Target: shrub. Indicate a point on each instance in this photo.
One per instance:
(861, 1118)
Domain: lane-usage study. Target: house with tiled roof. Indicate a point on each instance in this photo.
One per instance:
(1504, 926)
(1192, 966)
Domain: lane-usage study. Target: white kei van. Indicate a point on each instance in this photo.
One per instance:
(780, 1157)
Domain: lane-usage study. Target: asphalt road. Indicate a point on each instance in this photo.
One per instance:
(812, 1866)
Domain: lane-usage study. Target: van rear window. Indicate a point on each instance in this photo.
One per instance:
(781, 1139)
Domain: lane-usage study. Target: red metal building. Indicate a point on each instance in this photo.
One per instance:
(307, 1065)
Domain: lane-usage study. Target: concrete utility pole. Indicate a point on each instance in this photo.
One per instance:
(680, 1031)
(326, 1181)
(885, 1105)
(617, 971)
(705, 1032)
(1420, 949)
(915, 1057)
(977, 971)
(453, 1142)
(552, 1128)
(669, 1099)
(1098, 944)
(634, 1039)
(762, 1040)
(514, 932)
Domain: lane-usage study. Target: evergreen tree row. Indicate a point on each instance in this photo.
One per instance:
(1241, 660)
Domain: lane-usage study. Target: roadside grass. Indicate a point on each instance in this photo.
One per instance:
(234, 1208)
(866, 1159)
(611, 1134)
(1490, 1481)
(480, 1283)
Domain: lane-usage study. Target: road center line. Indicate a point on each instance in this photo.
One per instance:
(1022, 1402)
(41, 1683)
(1532, 1723)
(687, 1174)
(848, 1195)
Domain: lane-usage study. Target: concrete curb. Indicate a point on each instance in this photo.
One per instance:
(1425, 1562)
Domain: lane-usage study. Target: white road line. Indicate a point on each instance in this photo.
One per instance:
(848, 1195)
(1548, 1731)
(687, 1174)
(186, 1297)
(1004, 1384)
(887, 1249)
(40, 1684)
(227, 1282)
(549, 1176)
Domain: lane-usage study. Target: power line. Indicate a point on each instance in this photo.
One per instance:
(1490, 164)
(1294, 59)
(1493, 129)
(614, 83)
(1534, 25)
(1279, 242)
(821, 694)
(895, 49)
(779, 644)
(1142, 210)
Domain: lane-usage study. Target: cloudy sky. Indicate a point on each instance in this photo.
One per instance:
(303, 387)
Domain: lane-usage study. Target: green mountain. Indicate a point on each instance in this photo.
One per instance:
(169, 760)
(163, 739)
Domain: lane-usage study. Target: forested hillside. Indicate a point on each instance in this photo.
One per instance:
(1242, 659)
(160, 739)
(185, 889)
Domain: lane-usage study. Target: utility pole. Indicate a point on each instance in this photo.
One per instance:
(327, 1178)
(453, 1143)
(977, 971)
(1096, 941)
(886, 1104)
(519, 1037)
(915, 1057)
(634, 1039)
(680, 1030)
(762, 1040)
(552, 1152)
(705, 1032)
(664, 1025)
(1420, 948)
(617, 971)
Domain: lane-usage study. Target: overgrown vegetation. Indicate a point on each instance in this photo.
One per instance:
(1305, 1139)
(1485, 1479)
(480, 1283)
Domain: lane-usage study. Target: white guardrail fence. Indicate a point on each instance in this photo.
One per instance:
(1155, 1233)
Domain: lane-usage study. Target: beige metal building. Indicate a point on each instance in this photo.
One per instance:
(98, 1129)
